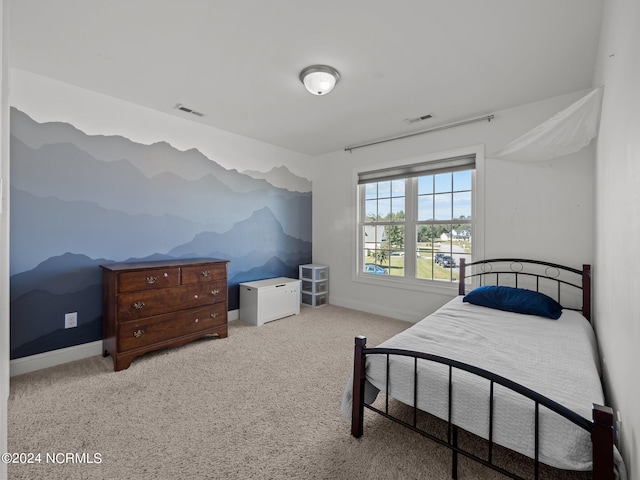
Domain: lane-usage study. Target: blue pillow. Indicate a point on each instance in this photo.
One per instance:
(517, 300)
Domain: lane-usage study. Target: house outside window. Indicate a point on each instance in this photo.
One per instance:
(416, 221)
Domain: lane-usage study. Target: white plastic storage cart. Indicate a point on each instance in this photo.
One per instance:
(315, 284)
(266, 300)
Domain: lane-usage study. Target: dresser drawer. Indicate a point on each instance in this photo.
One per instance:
(148, 279)
(140, 333)
(210, 272)
(154, 302)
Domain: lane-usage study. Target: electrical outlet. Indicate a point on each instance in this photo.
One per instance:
(71, 320)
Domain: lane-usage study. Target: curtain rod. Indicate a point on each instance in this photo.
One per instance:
(434, 129)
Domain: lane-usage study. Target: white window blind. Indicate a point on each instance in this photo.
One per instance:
(434, 167)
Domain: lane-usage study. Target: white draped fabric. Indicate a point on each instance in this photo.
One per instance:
(566, 132)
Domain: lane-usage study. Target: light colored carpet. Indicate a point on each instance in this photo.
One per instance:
(261, 404)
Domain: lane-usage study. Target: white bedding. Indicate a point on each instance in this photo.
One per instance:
(556, 358)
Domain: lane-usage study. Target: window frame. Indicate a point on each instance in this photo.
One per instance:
(409, 281)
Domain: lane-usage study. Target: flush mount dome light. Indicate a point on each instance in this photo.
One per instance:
(319, 79)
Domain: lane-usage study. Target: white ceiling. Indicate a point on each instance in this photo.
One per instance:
(238, 61)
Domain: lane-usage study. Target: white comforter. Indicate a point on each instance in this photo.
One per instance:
(556, 358)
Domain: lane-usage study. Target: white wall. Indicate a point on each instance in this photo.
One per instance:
(532, 210)
(4, 232)
(617, 270)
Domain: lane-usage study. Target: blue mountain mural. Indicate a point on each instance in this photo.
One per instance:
(261, 232)
(80, 201)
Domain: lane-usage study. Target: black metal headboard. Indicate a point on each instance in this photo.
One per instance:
(557, 281)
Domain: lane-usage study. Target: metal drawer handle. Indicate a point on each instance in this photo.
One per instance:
(205, 273)
(214, 315)
(151, 280)
(138, 333)
(138, 305)
(215, 292)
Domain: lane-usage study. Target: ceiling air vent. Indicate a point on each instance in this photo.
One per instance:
(181, 107)
(418, 119)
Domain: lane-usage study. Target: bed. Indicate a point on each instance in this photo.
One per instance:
(514, 361)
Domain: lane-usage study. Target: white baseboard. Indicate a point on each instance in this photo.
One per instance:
(54, 357)
(377, 310)
(32, 363)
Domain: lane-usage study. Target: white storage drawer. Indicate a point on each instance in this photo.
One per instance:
(314, 280)
(320, 286)
(266, 300)
(317, 300)
(314, 272)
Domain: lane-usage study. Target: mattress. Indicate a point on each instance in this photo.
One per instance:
(556, 358)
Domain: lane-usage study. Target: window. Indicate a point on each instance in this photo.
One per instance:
(383, 227)
(415, 222)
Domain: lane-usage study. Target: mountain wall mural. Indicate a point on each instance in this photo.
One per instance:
(80, 201)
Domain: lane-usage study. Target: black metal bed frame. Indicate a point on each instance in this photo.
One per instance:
(601, 427)
(517, 268)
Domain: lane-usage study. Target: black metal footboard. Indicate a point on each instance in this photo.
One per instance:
(601, 427)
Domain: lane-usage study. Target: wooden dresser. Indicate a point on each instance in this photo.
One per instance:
(153, 305)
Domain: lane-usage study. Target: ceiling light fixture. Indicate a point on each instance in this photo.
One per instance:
(319, 79)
